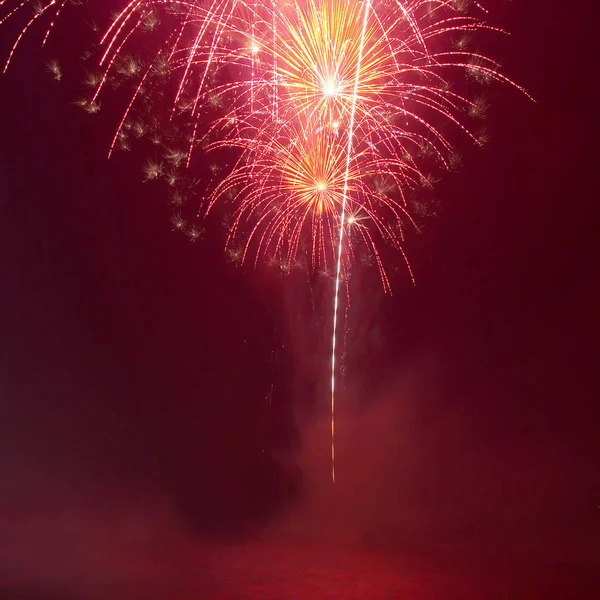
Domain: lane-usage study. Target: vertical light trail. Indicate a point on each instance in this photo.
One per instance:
(341, 235)
(275, 78)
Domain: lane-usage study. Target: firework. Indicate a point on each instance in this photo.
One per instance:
(288, 93)
(327, 112)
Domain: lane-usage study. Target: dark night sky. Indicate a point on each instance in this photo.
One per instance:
(135, 366)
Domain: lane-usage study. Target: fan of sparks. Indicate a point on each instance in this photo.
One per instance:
(326, 108)
(325, 111)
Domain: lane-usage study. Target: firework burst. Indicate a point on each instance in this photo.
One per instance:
(285, 92)
(327, 112)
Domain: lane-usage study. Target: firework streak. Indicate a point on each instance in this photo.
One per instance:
(329, 108)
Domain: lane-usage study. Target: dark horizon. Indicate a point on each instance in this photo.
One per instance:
(161, 405)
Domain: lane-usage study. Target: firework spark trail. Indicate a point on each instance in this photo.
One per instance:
(36, 15)
(341, 233)
(56, 16)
